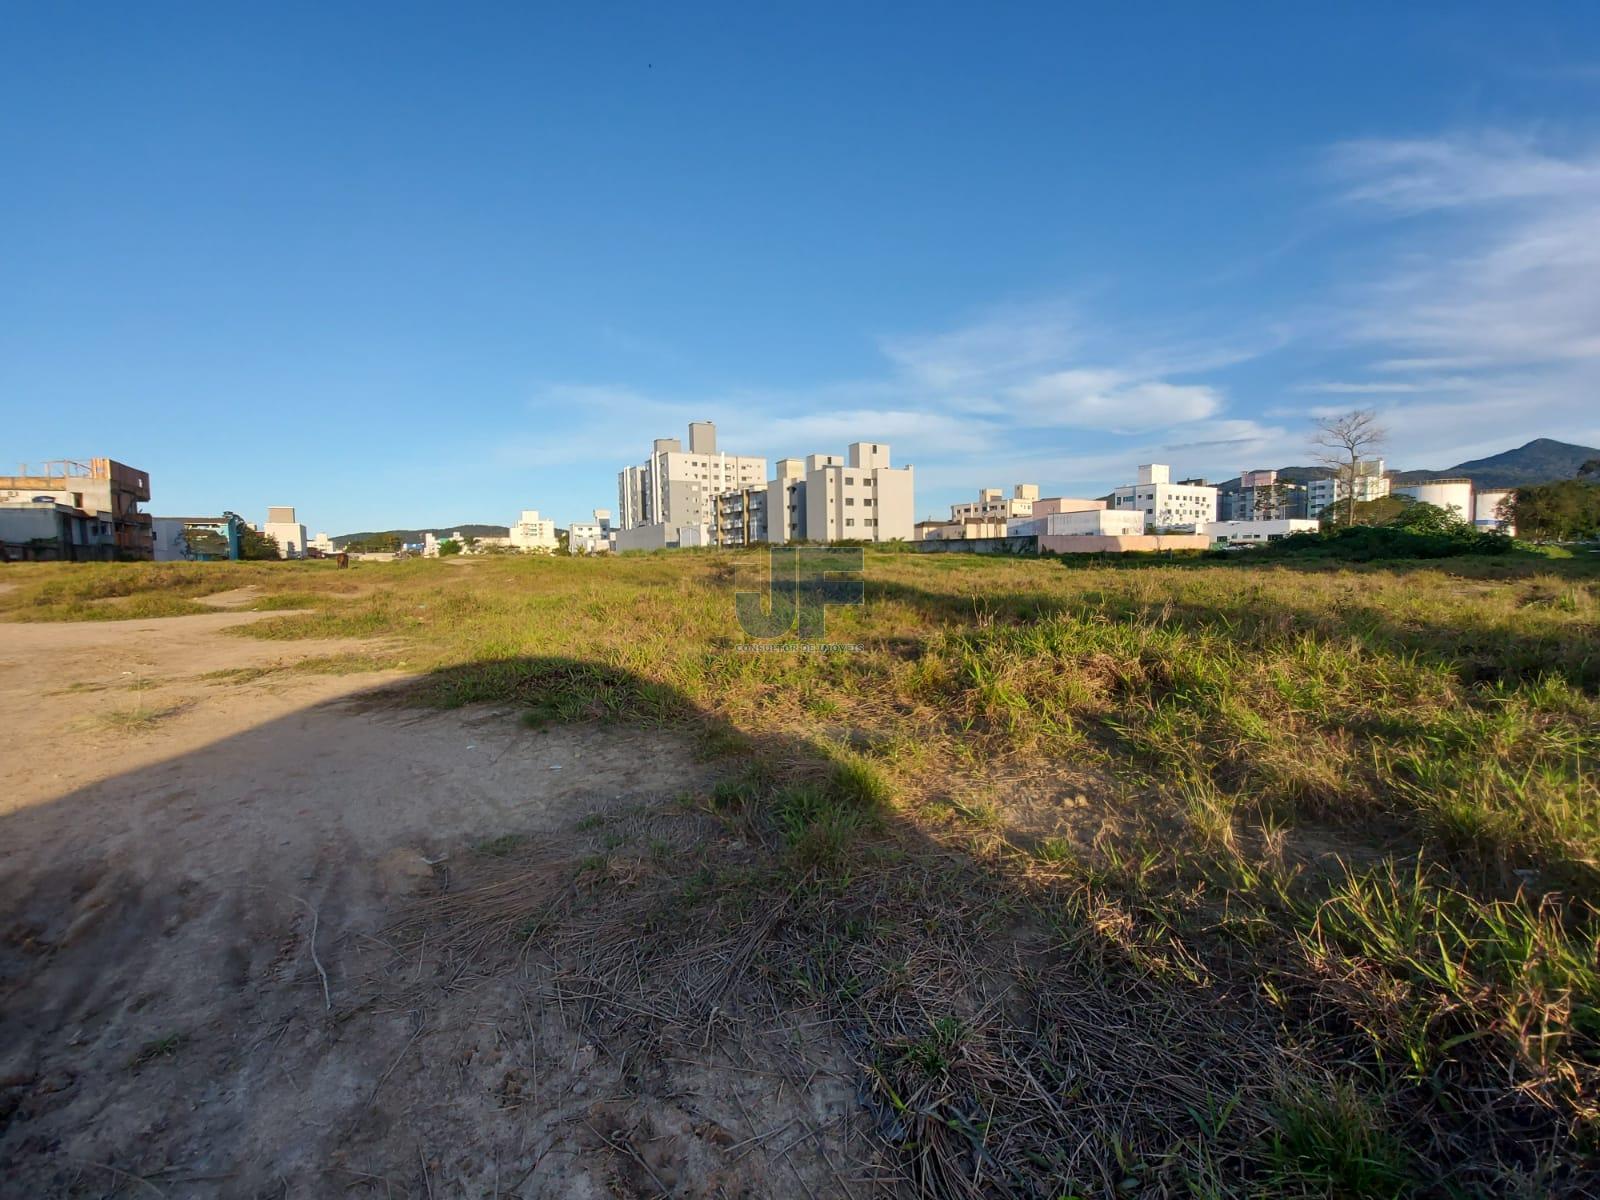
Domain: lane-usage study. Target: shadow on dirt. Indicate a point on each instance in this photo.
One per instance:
(591, 940)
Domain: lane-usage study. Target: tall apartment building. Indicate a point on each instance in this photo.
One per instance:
(1372, 483)
(677, 489)
(1166, 505)
(1261, 496)
(77, 511)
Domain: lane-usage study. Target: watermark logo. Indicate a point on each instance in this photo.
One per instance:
(805, 581)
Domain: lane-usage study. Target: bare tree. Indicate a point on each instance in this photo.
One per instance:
(1341, 442)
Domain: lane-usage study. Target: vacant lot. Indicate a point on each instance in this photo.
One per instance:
(520, 877)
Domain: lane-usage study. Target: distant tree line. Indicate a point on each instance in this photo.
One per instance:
(1565, 511)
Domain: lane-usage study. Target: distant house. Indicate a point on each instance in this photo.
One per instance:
(198, 539)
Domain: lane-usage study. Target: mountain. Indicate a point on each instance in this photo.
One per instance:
(1542, 460)
(415, 535)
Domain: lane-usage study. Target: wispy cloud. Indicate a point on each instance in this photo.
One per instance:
(1491, 278)
(1010, 395)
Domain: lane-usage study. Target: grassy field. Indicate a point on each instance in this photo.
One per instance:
(1199, 880)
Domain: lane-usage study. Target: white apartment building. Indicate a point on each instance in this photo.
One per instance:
(324, 543)
(1253, 533)
(533, 533)
(786, 497)
(1372, 483)
(1099, 522)
(590, 537)
(677, 489)
(289, 533)
(861, 499)
(992, 504)
(1166, 505)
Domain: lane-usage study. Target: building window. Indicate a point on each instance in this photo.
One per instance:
(849, 520)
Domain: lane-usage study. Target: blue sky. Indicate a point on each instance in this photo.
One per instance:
(405, 265)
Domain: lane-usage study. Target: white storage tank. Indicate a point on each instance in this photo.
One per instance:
(1452, 494)
(1486, 512)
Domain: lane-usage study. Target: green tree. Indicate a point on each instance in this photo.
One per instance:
(1561, 511)
(448, 547)
(1426, 518)
(205, 543)
(375, 543)
(253, 544)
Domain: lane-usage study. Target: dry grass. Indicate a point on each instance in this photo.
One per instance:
(1177, 880)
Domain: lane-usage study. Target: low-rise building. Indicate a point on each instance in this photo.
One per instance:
(1166, 505)
(966, 529)
(283, 528)
(43, 531)
(591, 537)
(1254, 533)
(533, 533)
(198, 539)
(1093, 522)
(992, 504)
(1095, 543)
(1064, 504)
(77, 511)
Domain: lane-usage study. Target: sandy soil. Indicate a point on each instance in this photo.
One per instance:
(200, 994)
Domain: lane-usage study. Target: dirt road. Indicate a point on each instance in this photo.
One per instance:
(198, 996)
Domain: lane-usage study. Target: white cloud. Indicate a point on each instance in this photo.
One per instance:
(1492, 278)
(1108, 400)
(1004, 345)
(1384, 387)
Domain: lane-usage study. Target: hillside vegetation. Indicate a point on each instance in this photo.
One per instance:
(1203, 879)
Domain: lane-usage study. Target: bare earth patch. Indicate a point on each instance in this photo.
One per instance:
(216, 976)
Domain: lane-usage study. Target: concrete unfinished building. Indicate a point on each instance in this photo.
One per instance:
(76, 512)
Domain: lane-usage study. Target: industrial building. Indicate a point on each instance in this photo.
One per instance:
(1487, 515)
(1453, 495)
(76, 512)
